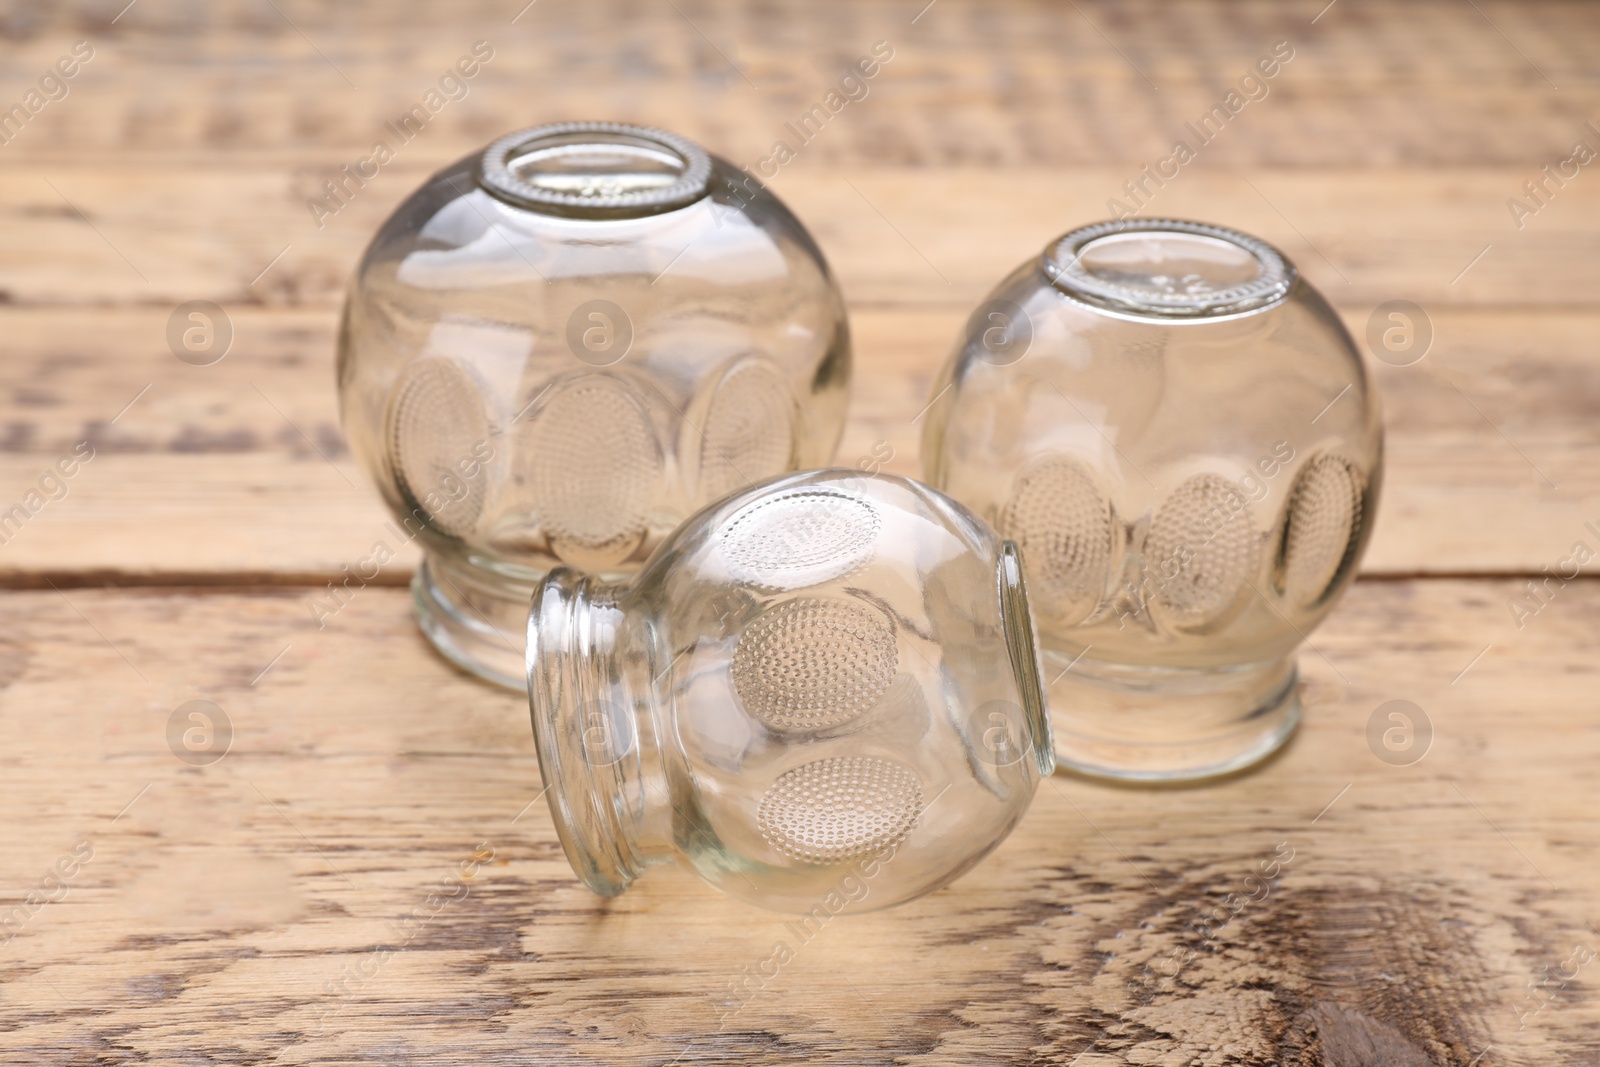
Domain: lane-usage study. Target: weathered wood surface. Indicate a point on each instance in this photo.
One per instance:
(1381, 160)
(1432, 83)
(170, 232)
(256, 910)
(240, 468)
(301, 899)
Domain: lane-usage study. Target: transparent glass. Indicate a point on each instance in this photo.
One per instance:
(557, 349)
(1180, 436)
(820, 692)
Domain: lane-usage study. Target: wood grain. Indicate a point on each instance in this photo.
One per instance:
(1433, 84)
(163, 233)
(369, 873)
(240, 468)
(257, 907)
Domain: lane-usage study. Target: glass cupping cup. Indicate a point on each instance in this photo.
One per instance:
(1182, 439)
(822, 689)
(558, 348)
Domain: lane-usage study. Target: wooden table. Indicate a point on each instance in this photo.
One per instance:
(302, 900)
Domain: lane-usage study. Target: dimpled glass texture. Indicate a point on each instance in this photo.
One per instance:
(559, 347)
(821, 692)
(1181, 438)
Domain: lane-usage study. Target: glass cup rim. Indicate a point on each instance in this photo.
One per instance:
(1062, 265)
(496, 171)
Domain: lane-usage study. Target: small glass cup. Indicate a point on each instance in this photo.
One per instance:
(558, 348)
(1181, 437)
(821, 692)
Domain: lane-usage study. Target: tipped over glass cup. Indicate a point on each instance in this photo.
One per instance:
(823, 688)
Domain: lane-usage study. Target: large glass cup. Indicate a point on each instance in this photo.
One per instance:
(558, 348)
(1181, 437)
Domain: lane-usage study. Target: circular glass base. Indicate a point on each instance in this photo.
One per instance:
(476, 621)
(1158, 724)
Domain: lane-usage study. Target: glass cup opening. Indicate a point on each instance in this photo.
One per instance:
(1168, 268)
(595, 166)
(596, 170)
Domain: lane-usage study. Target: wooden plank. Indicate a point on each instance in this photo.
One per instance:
(256, 909)
(161, 234)
(281, 904)
(240, 468)
(1430, 84)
